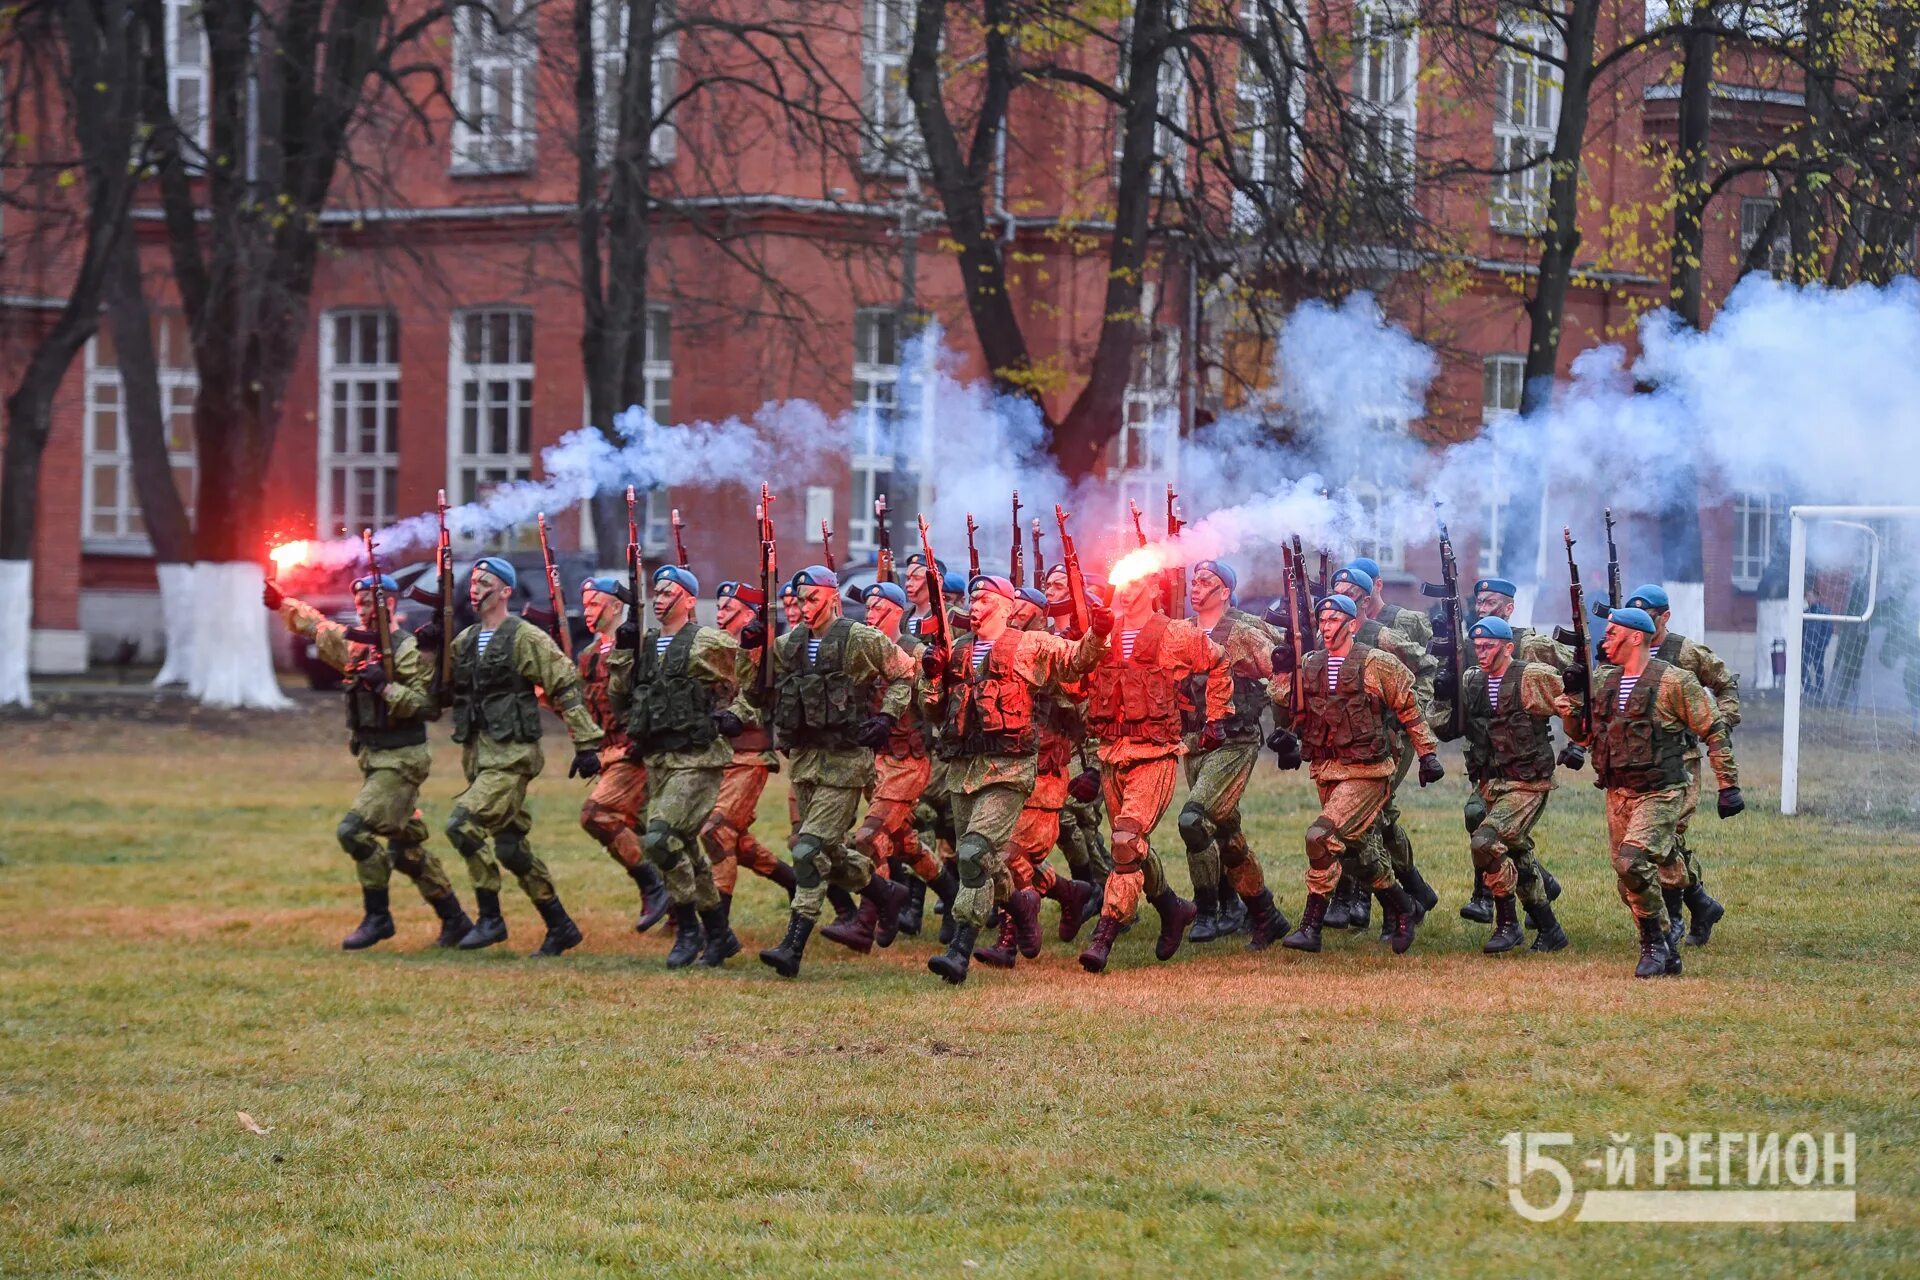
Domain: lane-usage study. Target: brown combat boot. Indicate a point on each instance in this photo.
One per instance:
(1266, 922)
(855, 933)
(1001, 954)
(1100, 946)
(1024, 909)
(1176, 913)
(1076, 905)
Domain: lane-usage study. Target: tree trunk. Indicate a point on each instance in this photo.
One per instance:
(144, 415)
(1690, 179)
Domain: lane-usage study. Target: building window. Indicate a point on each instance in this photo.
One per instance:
(189, 93)
(359, 412)
(493, 69)
(110, 507)
(1526, 111)
(876, 382)
(1386, 69)
(1268, 110)
(886, 41)
(1754, 213)
(1150, 408)
(1374, 538)
(492, 407)
(1502, 381)
(610, 61)
(1170, 101)
(1755, 516)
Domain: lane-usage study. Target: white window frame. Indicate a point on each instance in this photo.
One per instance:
(495, 58)
(1754, 212)
(1502, 386)
(498, 383)
(106, 394)
(893, 144)
(1748, 562)
(1274, 163)
(1371, 494)
(610, 61)
(189, 77)
(1170, 99)
(1532, 84)
(351, 387)
(1145, 448)
(876, 418)
(1386, 85)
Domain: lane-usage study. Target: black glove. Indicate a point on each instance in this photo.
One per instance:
(627, 635)
(1731, 802)
(1430, 769)
(1085, 786)
(1575, 680)
(933, 660)
(372, 677)
(272, 596)
(1100, 621)
(753, 635)
(874, 733)
(1446, 686)
(729, 724)
(1286, 748)
(1214, 736)
(1285, 661)
(428, 636)
(1573, 756)
(586, 763)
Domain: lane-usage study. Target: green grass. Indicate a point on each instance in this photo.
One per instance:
(174, 901)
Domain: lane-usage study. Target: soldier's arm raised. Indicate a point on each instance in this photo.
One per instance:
(329, 638)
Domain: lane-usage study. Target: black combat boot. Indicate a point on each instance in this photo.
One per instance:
(1548, 935)
(721, 939)
(1266, 922)
(562, 933)
(1100, 945)
(1653, 948)
(1076, 905)
(945, 886)
(1339, 909)
(1002, 953)
(1396, 906)
(1676, 923)
(453, 920)
(916, 909)
(1024, 909)
(1422, 893)
(1233, 912)
(951, 964)
(1307, 936)
(375, 926)
(1506, 934)
(1553, 885)
(490, 926)
(782, 875)
(1706, 913)
(1176, 913)
(688, 939)
(653, 895)
(785, 958)
(889, 900)
(1478, 908)
(1206, 913)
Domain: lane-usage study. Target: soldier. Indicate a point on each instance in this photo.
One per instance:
(902, 769)
(1349, 691)
(790, 605)
(727, 834)
(983, 691)
(933, 814)
(1133, 707)
(498, 665)
(618, 797)
(1723, 686)
(1643, 710)
(1507, 709)
(822, 710)
(1217, 851)
(1082, 816)
(1411, 623)
(387, 733)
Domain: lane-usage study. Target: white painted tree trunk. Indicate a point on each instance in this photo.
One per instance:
(232, 660)
(1689, 604)
(176, 616)
(16, 631)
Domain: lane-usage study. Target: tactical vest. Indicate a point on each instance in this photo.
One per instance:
(1632, 751)
(908, 741)
(1249, 695)
(370, 723)
(671, 710)
(1345, 724)
(1136, 699)
(1390, 618)
(598, 697)
(1505, 741)
(1669, 650)
(489, 695)
(1061, 728)
(817, 703)
(989, 708)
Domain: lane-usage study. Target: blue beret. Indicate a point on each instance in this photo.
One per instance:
(1033, 596)
(814, 575)
(992, 582)
(920, 558)
(891, 592)
(1353, 577)
(1221, 570)
(386, 583)
(1500, 586)
(952, 583)
(1631, 619)
(1338, 603)
(606, 584)
(1367, 565)
(499, 567)
(1650, 597)
(679, 577)
(1493, 627)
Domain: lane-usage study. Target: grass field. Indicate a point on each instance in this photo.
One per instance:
(174, 901)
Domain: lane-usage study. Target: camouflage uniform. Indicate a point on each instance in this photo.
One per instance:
(1059, 720)
(612, 811)
(1723, 686)
(903, 770)
(1411, 623)
(1422, 666)
(727, 835)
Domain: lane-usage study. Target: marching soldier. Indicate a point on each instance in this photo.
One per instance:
(1082, 816)
(822, 710)
(499, 665)
(1507, 707)
(387, 733)
(727, 835)
(614, 804)
(1411, 623)
(985, 687)
(1723, 686)
(1217, 852)
(1349, 691)
(1643, 711)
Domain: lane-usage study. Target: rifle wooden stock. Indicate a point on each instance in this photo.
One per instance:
(382, 609)
(1582, 649)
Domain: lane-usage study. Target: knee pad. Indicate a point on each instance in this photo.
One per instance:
(465, 834)
(356, 837)
(1475, 813)
(1320, 850)
(972, 855)
(1129, 849)
(513, 851)
(806, 866)
(718, 838)
(1485, 846)
(1195, 831)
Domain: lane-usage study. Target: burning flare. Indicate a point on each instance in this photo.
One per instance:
(289, 555)
(1141, 562)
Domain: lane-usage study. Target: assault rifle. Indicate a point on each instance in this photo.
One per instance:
(1323, 586)
(937, 604)
(636, 575)
(1039, 561)
(1306, 627)
(1577, 634)
(679, 542)
(826, 546)
(1176, 581)
(556, 624)
(1076, 580)
(382, 610)
(973, 552)
(884, 570)
(769, 571)
(441, 602)
(1015, 561)
(1451, 644)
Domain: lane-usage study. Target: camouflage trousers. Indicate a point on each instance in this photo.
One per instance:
(984, 821)
(384, 809)
(680, 801)
(1035, 833)
(494, 805)
(1640, 838)
(888, 830)
(821, 854)
(933, 814)
(1210, 819)
(1502, 839)
(727, 835)
(1137, 794)
(613, 807)
(1080, 841)
(1346, 835)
